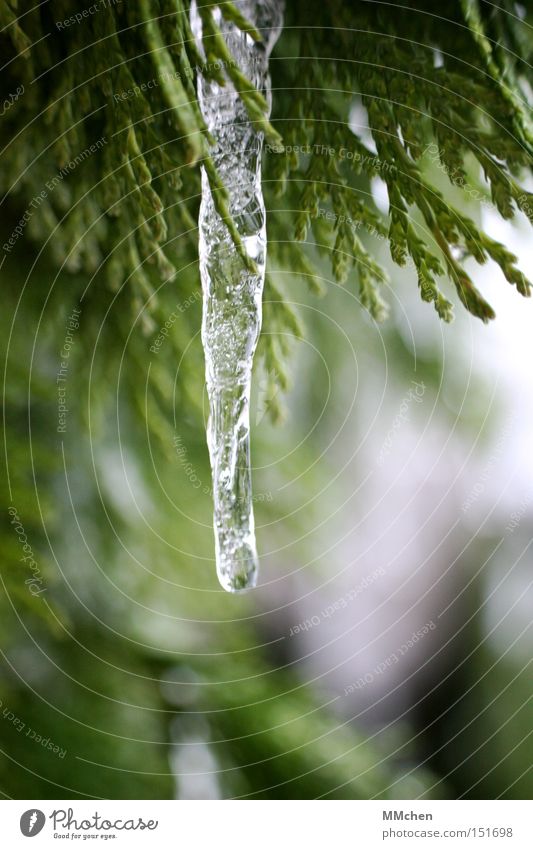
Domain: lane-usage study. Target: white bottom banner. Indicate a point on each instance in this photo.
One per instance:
(267, 824)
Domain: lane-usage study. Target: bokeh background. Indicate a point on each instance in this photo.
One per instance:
(386, 652)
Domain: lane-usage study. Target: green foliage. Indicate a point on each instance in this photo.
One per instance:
(128, 76)
(118, 232)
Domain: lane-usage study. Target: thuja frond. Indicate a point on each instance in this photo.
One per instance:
(437, 89)
(110, 97)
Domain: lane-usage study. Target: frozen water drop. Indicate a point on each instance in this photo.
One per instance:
(232, 294)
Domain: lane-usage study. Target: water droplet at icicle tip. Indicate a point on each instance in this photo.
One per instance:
(232, 294)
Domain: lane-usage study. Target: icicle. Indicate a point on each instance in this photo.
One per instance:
(231, 293)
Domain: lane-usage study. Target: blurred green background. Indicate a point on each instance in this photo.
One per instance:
(384, 502)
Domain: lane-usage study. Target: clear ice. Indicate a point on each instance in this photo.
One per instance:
(232, 294)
